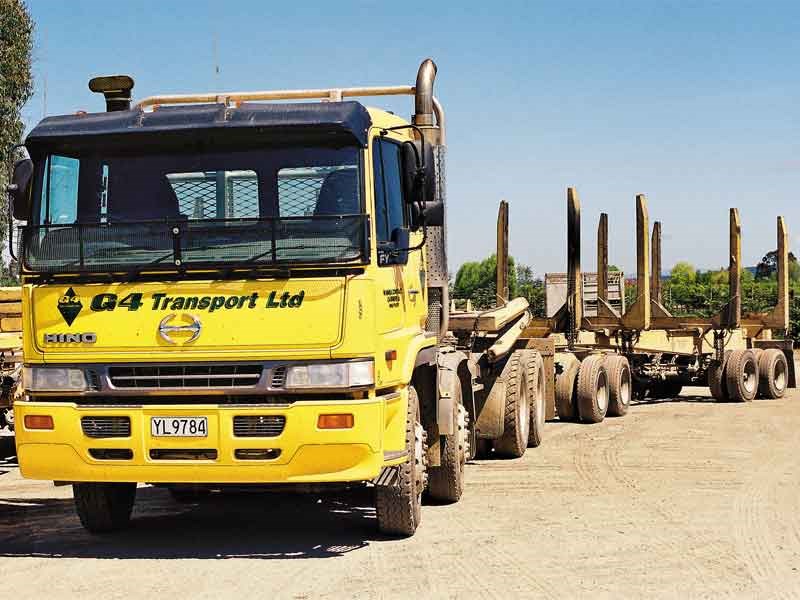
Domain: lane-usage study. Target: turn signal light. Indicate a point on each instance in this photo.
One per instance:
(335, 422)
(38, 422)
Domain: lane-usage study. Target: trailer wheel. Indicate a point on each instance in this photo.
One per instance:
(566, 390)
(592, 389)
(716, 378)
(446, 482)
(773, 374)
(104, 507)
(399, 506)
(516, 418)
(620, 387)
(536, 390)
(741, 376)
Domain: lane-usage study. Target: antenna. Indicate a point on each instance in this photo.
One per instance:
(215, 43)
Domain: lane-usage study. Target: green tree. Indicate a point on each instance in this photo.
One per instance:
(683, 272)
(16, 88)
(477, 281)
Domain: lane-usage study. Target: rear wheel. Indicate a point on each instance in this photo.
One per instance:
(620, 388)
(536, 384)
(716, 378)
(399, 506)
(566, 390)
(446, 482)
(516, 419)
(592, 389)
(104, 507)
(741, 376)
(773, 374)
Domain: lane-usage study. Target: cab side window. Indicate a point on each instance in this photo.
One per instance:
(59, 202)
(389, 202)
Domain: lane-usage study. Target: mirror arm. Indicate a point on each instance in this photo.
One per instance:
(10, 202)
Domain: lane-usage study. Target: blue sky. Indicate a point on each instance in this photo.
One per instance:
(696, 104)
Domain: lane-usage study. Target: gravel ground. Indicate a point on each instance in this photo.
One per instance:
(682, 498)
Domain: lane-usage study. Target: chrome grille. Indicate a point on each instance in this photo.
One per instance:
(258, 425)
(106, 427)
(184, 376)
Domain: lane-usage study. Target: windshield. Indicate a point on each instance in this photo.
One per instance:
(279, 205)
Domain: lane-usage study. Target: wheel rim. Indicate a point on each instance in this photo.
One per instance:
(625, 387)
(601, 393)
(779, 380)
(749, 377)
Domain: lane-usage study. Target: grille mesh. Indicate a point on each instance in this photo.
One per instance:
(106, 427)
(258, 425)
(278, 378)
(188, 376)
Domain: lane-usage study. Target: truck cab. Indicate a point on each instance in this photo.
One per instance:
(222, 291)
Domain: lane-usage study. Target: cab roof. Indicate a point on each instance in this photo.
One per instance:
(339, 122)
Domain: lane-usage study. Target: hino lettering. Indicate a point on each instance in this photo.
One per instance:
(70, 338)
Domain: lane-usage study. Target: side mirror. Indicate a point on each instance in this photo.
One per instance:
(19, 189)
(419, 180)
(400, 242)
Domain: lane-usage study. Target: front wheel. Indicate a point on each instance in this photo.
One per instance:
(399, 506)
(104, 507)
(446, 482)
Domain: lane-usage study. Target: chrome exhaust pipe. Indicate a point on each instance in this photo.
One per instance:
(423, 95)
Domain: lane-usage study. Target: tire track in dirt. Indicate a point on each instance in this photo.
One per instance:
(601, 470)
(755, 526)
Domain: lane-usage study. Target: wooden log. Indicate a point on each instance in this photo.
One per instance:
(490, 320)
(10, 308)
(504, 344)
(10, 341)
(10, 294)
(9, 324)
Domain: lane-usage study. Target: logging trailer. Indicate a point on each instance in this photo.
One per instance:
(651, 353)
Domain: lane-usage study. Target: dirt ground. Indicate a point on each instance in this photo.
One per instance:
(683, 498)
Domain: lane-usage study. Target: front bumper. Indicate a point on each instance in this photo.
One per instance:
(307, 454)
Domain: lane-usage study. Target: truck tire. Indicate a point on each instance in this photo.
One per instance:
(446, 482)
(773, 374)
(741, 376)
(536, 392)
(592, 389)
(399, 506)
(104, 507)
(566, 390)
(620, 386)
(516, 418)
(716, 378)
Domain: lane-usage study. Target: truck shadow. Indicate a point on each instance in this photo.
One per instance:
(257, 526)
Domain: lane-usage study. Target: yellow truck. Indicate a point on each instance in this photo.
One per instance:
(222, 290)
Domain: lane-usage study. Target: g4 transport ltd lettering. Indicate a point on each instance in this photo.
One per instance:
(163, 301)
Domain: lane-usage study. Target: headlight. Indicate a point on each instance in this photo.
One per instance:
(47, 379)
(333, 375)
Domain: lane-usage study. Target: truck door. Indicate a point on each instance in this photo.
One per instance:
(390, 215)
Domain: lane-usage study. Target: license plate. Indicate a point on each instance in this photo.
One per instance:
(179, 426)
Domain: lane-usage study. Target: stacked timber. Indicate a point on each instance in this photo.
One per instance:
(10, 319)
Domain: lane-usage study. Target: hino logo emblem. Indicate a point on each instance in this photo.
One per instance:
(70, 338)
(164, 329)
